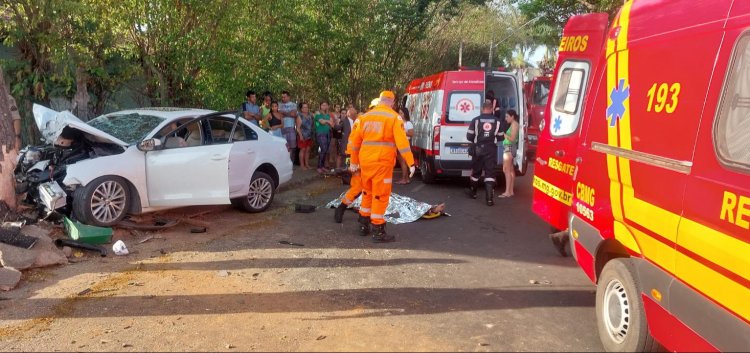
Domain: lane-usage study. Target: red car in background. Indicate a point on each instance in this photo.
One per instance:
(536, 95)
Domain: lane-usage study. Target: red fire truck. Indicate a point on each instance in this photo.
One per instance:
(536, 95)
(644, 158)
(441, 107)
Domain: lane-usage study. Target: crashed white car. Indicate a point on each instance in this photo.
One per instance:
(143, 160)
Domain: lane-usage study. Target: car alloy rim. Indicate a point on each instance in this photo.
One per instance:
(616, 311)
(260, 193)
(108, 201)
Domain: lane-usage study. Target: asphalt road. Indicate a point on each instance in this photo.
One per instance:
(482, 282)
(485, 279)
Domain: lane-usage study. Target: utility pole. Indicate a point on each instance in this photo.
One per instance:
(489, 60)
(460, 54)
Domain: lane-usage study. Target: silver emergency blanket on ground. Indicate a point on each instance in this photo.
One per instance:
(401, 209)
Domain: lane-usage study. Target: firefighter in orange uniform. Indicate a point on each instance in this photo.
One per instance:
(355, 184)
(373, 146)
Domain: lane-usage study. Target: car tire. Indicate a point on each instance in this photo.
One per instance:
(620, 316)
(261, 191)
(103, 202)
(428, 177)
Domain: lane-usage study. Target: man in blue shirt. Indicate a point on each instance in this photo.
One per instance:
(250, 109)
(288, 109)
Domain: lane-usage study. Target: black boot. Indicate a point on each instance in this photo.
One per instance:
(364, 226)
(338, 215)
(379, 235)
(489, 191)
(560, 241)
(472, 190)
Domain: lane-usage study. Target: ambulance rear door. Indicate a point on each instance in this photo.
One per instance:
(560, 129)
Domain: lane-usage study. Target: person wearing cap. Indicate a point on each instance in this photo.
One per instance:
(355, 182)
(373, 145)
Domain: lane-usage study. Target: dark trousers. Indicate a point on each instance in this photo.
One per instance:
(485, 159)
(324, 141)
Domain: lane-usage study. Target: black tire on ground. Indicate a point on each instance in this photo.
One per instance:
(260, 194)
(428, 177)
(103, 202)
(620, 316)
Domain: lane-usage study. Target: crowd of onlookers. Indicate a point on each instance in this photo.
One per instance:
(324, 131)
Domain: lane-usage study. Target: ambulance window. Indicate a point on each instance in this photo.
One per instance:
(732, 131)
(571, 82)
(464, 106)
(568, 97)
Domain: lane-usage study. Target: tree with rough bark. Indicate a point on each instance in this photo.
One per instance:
(8, 146)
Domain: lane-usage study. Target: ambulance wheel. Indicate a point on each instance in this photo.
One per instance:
(620, 317)
(428, 177)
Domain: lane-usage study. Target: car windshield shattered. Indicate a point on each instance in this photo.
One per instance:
(129, 128)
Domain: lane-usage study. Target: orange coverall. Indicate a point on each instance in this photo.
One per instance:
(373, 146)
(355, 184)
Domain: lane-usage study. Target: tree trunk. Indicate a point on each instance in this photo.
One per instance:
(8, 146)
(81, 98)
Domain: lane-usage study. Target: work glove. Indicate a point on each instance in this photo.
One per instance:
(353, 167)
(412, 169)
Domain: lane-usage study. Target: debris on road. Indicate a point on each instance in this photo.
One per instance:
(11, 235)
(79, 245)
(86, 233)
(290, 243)
(119, 248)
(84, 292)
(301, 208)
(320, 338)
(198, 230)
(145, 239)
(222, 273)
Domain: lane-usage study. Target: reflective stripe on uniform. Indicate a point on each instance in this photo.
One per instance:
(355, 148)
(385, 114)
(378, 143)
(474, 179)
(489, 179)
(364, 210)
(376, 216)
(405, 149)
(387, 180)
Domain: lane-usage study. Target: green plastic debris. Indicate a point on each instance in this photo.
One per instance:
(86, 233)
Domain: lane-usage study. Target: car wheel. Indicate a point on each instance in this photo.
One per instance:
(103, 202)
(619, 310)
(428, 177)
(259, 195)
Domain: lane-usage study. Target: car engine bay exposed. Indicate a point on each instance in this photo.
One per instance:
(40, 170)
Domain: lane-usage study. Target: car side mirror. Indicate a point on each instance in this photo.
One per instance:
(151, 144)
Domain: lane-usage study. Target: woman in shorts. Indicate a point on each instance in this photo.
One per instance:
(510, 144)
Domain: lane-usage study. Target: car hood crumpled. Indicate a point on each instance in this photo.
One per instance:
(51, 124)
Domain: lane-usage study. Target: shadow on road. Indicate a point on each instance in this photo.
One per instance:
(366, 302)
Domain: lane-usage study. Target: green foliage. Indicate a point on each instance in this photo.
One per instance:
(552, 15)
(206, 53)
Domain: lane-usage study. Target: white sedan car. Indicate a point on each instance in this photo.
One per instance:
(143, 160)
